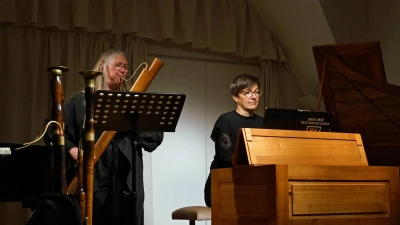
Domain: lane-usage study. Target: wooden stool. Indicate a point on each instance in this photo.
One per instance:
(192, 213)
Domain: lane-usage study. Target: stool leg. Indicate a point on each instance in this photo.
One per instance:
(191, 222)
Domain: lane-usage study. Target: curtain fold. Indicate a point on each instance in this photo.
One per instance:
(223, 26)
(271, 85)
(280, 86)
(25, 83)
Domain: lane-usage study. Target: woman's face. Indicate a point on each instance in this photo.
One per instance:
(248, 98)
(117, 69)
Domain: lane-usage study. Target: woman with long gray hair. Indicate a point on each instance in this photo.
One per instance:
(113, 200)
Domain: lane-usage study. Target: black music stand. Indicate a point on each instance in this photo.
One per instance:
(136, 112)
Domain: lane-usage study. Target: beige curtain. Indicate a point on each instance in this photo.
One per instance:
(270, 84)
(224, 26)
(40, 33)
(281, 87)
(27, 52)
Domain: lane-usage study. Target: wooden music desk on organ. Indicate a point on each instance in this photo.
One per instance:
(302, 177)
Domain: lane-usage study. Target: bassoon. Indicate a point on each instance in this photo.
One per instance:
(142, 82)
(59, 180)
(89, 139)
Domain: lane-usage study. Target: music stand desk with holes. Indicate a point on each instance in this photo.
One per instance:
(136, 112)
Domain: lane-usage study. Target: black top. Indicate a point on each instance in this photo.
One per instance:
(224, 135)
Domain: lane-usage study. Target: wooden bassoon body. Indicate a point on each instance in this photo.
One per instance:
(86, 197)
(59, 182)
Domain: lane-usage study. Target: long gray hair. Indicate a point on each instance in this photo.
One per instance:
(101, 65)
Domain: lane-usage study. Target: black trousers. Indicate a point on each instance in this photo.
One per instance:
(113, 203)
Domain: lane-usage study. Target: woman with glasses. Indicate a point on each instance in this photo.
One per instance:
(246, 92)
(112, 198)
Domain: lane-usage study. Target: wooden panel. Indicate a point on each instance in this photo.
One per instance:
(240, 197)
(364, 58)
(265, 146)
(280, 150)
(282, 187)
(344, 173)
(303, 134)
(340, 199)
(257, 207)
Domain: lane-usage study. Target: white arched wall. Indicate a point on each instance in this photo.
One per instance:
(176, 172)
(298, 25)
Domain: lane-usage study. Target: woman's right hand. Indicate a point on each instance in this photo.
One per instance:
(74, 153)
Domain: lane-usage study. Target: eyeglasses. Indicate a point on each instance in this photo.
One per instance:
(249, 94)
(121, 66)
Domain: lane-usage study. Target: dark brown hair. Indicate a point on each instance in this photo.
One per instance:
(243, 81)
